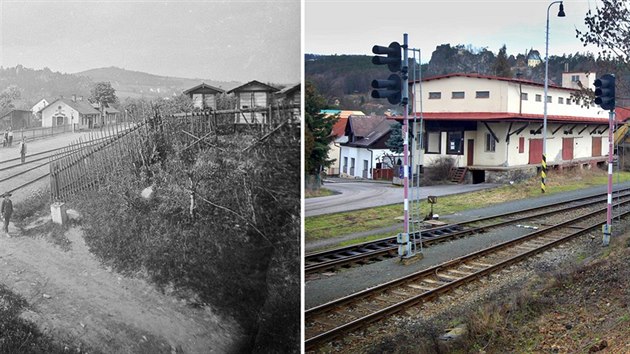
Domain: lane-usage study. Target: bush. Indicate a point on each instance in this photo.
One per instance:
(439, 171)
(238, 249)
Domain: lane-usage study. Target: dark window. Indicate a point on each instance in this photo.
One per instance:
(548, 99)
(458, 94)
(521, 145)
(560, 100)
(490, 143)
(538, 98)
(455, 143)
(482, 94)
(435, 95)
(524, 96)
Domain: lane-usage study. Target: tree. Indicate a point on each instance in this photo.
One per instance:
(395, 141)
(318, 133)
(103, 94)
(501, 66)
(7, 98)
(608, 28)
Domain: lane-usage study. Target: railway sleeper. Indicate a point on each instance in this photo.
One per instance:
(420, 287)
(447, 277)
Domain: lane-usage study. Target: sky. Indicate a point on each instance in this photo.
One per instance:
(353, 26)
(239, 40)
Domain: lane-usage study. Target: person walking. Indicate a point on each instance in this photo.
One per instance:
(10, 137)
(23, 150)
(7, 210)
(5, 142)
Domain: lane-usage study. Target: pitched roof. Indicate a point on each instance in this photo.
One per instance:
(489, 77)
(253, 83)
(83, 107)
(289, 89)
(203, 85)
(622, 113)
(368, 129)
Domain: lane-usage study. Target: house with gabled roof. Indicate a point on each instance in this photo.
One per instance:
(63, 111)
(204, 96)
(339, 132)
(493, 126)
(253, 94)
(365, 146)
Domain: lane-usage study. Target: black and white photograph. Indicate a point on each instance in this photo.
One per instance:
(150, 176)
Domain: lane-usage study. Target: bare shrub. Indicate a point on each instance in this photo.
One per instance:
(439, 171)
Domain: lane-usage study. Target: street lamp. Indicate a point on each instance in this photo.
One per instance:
(544, 152)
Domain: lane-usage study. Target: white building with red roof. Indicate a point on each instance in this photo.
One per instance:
(492, 126)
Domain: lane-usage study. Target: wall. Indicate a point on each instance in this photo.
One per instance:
(58, 108)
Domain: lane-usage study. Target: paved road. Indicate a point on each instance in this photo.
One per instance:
(359, 195)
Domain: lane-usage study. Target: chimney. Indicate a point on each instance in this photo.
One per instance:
(74, 98)
(566, 67)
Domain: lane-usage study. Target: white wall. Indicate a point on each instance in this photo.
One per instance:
(360, 155)
(58, 108)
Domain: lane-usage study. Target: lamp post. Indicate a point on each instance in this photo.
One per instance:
(543, 174)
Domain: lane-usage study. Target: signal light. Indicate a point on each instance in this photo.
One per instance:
(605, 92)
(393, 59)
(390, 89)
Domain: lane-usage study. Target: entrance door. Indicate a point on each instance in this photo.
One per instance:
(597, 146)
(470, 160)
(567, 149)
(535, 151)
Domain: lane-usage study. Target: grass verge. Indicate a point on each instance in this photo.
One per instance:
(321, 192)
(339, 224)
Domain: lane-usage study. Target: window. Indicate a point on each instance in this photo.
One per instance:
(575, 78)
(521, 145)
(548, 99)
(455, 143)
(538, 98)
(568, 101)
(435, 95)
(345, 164)
(482, 94)
(560, 100)
(432, 142)
(524, 96)
(457, 94)
(490, 143)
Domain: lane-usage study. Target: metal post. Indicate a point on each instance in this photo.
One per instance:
(607, 229)
(406, 246)
(543, 173)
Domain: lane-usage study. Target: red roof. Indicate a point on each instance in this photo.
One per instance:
(498, 116)
(622, 113)
(339, 129)
(489, 77)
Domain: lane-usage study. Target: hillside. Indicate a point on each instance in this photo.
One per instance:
(344, 80)
(128, 83)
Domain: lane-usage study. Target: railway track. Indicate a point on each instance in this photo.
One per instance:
(334, 319)
(378, 250)
(15, 175)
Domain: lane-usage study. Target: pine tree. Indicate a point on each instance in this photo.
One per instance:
(318, 132)
(501, 66)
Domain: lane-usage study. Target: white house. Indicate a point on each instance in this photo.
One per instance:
(38, 106)
(365, 146)
(64, 111)
(339, 131)
(493, 125)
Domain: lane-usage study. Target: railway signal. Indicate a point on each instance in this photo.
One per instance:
(391, 88)
(605, 92)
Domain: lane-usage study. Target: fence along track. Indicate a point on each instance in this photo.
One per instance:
(135, 147)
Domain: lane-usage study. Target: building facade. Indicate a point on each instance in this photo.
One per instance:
(204, 96)
(64, 111)
(253, 94)
(492, 125)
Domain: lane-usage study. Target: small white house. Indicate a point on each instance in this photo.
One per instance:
(365, 146)
(63, 111)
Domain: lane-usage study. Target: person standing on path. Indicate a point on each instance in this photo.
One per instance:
(10, 137)
(23, 150)
(7, 210)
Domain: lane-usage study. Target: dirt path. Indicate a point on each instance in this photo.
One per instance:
(73, 297)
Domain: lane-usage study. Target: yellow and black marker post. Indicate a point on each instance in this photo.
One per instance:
(543, 174)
